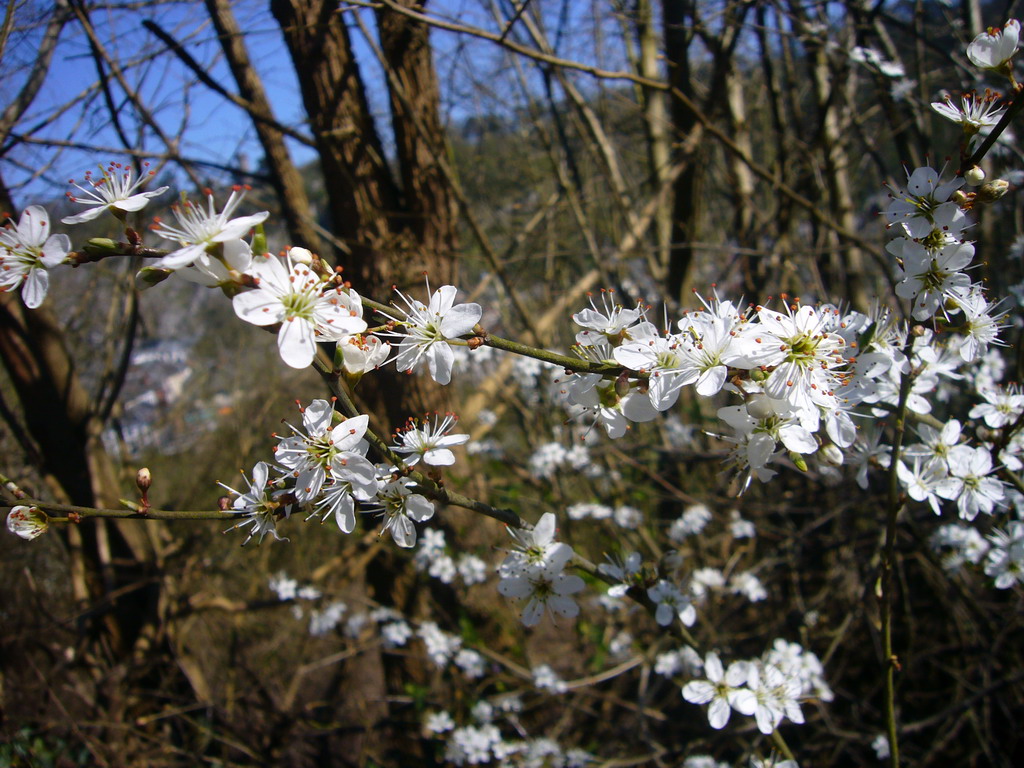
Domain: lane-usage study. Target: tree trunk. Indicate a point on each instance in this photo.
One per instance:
(393, 231)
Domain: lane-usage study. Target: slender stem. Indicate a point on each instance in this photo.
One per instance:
(74, 513)
(565, 361)
(894, 504)
(781, 745)
(570, 363)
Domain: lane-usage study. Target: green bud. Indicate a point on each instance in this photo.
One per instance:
(147, 277)
(799, 460)
(101, 246)
(259, 241)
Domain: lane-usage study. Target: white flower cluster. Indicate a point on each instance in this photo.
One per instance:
(432, 556)
(322, 469)
(793, 368)
(548, 458)
(943, 468)
(1002, 551)
(769, 688)
(483, 742)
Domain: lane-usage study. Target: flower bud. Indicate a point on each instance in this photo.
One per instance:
(622, 384)
(301, 255)
(798, 460)
(27, 522)
(259, 240)
(992, 191)
(144, 479)
(830, 454)
(759, 407)
(974, 176)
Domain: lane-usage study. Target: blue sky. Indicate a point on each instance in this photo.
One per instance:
(474, 77)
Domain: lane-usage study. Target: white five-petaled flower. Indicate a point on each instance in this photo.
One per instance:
(930, 276)
(309, 455)
(994, 48)
(974, 113)
(431, 442)
(924, 207)
(671, 603)
(401, 508)
(543, 590)
(538, 552)
(804, 354)
(115, 190)
(776, 696)
(199, 229)
(722, 690)
(611, 325)
(426, 329)
(1002, 406)
(1005, 561)
(969, 482)
(27, 251)
(291, 294)
(922, 482)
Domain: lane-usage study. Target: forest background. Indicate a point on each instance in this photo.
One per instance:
(529, 153)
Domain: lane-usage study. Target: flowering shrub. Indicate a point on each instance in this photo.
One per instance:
(796, 387)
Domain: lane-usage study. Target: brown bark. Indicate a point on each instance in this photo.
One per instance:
(685, 207)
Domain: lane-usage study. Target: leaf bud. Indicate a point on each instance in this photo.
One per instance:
(992, 190)
(101, 246)
(147, 277)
